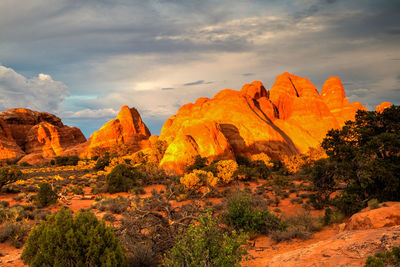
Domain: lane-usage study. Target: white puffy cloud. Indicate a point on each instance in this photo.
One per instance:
(40, 93)
(89, 113)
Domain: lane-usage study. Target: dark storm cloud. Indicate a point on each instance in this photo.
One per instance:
(197, 83)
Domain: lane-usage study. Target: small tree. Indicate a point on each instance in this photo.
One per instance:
(46, 195)
(9, 175)
(62, 240)
(206, 244)
(122, 178)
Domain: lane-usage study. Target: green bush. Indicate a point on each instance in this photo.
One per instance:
(46, 196)
(243, 214)
(206, 244)
(122, 178)
(102, 162)
(63, 240)
(9, 175)
(389, 258)
(66, 160)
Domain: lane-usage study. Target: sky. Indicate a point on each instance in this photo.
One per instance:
(83, 60)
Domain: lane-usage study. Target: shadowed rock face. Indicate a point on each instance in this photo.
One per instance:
(24, 131)
(286, 120)
(126, 129)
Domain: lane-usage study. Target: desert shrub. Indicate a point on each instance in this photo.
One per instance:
(242, 160)
(77, 190)
(198, 163)
(13, 232)
(255, 170)
(102, 162)
(9, 175)
(4, 204)
(154, 224)
(46, 196)
(122, 178)
(40, 214)
(63, 240)
(301, 225)
(388, 258)
(143, 256)
(152, 173)
(159, 148)
(199, 181)
(373, 204)
(109, 217)
(226, 171)
(244, 214)
(66, 160)
(297, 200)
(115, 205)
(348, 203)
(24, 164)
(262, 157)
(331, 217)
(294, 163)
(206, 244)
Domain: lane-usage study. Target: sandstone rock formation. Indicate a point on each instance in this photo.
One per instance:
(383, 106)
(333, 95)
(376, 218)
(345, 249)
(126, 129)
(286, 120)
(24, 131)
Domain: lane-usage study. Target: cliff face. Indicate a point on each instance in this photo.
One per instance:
(24, 132)
(286, 120)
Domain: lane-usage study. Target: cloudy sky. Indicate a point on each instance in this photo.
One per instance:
(83, 60)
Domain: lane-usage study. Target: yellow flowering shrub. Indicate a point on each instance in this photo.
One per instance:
(263, 157)
(198, 180)
(226, 170)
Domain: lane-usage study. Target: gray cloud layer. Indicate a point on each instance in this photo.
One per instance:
(111, 53)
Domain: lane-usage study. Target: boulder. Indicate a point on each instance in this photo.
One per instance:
(348, 249)
(376, 218)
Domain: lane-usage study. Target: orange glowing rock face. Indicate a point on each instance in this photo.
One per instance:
(286, 120)
(381, 107)
(127, 128)
(38, 134)
(334, 97)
